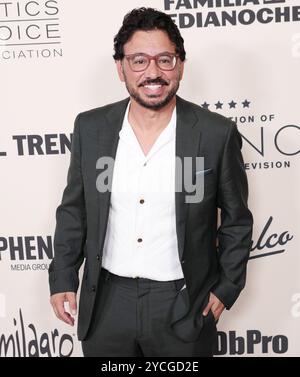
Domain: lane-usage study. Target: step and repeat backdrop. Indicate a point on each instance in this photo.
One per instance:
(243, 61)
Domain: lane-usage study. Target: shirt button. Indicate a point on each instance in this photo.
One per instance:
(139, 240)
(145, 164)
(142, 201)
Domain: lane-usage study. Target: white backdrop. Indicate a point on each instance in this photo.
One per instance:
(56, 61)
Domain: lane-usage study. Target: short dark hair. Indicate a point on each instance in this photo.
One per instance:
(147, 19)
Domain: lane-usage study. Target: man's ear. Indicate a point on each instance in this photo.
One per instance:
(120, 70)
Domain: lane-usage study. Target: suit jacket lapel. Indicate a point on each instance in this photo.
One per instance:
(108, 137)
(188, 137)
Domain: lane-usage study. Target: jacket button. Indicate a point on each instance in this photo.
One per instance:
(183, 261)
(98, 257)
(93, 288)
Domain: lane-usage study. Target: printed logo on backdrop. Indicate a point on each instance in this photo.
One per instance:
(265, 139)
(26, 253)
(40, 145)
(24, 340)
(253, 342)
(228, 13)
(270, 242)
(30, 30)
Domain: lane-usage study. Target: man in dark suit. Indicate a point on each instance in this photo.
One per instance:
(158, 270)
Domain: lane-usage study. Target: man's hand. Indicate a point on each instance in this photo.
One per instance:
(57, 301)
(215, 305)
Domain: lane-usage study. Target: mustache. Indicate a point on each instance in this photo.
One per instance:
(158, 81)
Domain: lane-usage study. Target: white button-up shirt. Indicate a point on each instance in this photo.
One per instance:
(141, 238)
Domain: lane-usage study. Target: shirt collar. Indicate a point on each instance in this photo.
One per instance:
(127, 134)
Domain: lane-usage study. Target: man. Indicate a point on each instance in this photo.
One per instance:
(158, 271)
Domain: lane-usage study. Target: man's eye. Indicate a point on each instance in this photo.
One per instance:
(165, 59)
(138, 61)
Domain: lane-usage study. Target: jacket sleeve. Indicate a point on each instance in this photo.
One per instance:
(70, 231)
(235, 231)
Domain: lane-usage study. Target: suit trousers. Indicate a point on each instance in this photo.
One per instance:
(131, 318)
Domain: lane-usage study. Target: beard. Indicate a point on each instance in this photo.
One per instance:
(148, 104)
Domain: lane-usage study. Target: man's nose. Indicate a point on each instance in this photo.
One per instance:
(152, 71)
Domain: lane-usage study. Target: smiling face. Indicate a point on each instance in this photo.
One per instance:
(152, 88)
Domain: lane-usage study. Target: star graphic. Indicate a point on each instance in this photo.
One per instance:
(205, 105)
(246, 103)
(232, 104)
(219, 105)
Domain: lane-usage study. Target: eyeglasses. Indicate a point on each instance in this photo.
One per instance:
(140, 62)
